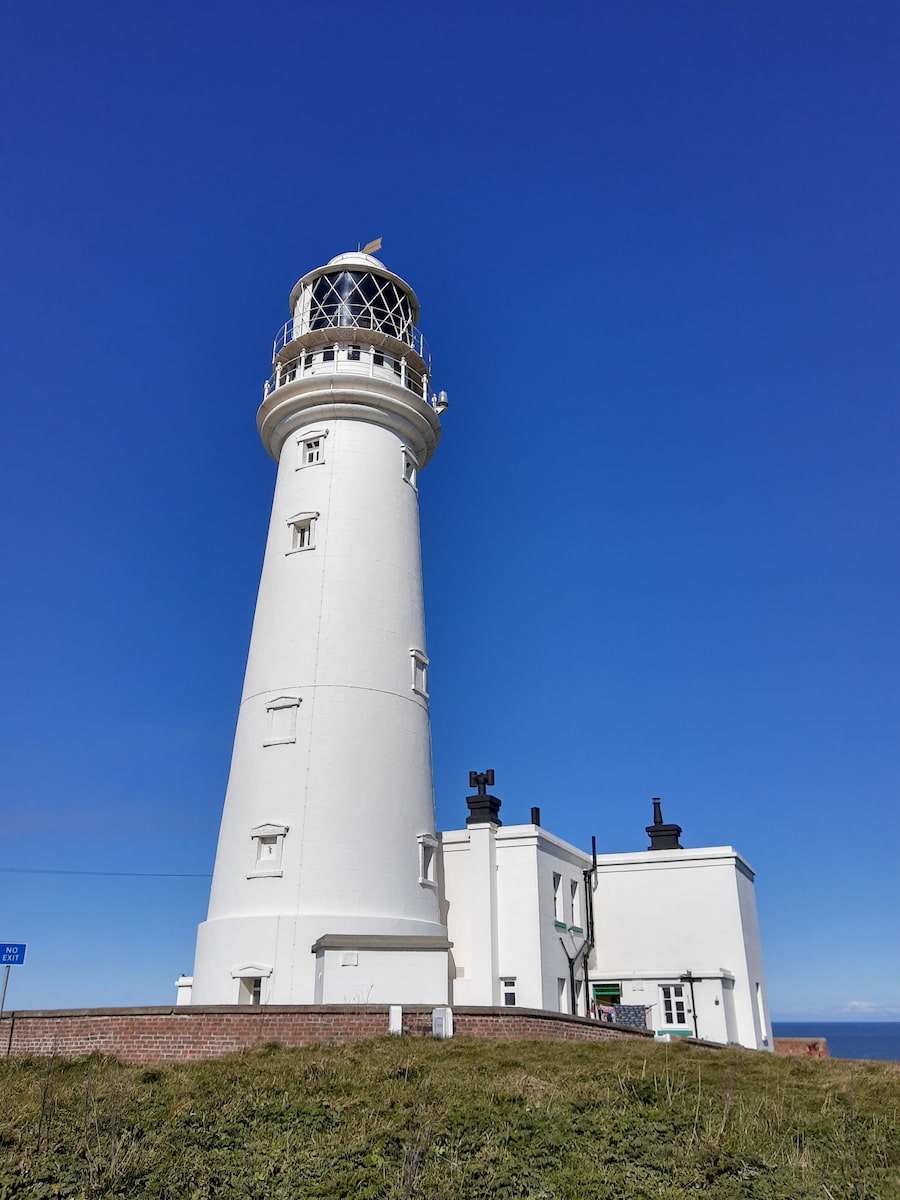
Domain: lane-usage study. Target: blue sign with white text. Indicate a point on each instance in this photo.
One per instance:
(12, 954)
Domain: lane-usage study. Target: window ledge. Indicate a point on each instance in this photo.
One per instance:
(264, 874)
(560, 925)
(428, 883)
(303, 466)
(299, 550)
(280, 741)
(575, 929)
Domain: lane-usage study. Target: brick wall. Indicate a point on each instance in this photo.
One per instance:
(808, 1047)
(187, 1033)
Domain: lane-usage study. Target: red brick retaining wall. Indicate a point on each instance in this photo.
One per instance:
(808, 1047)
(185, 1033)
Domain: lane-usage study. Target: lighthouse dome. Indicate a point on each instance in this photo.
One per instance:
(355, 258)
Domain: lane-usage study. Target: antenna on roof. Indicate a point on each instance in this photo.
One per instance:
(371, 247)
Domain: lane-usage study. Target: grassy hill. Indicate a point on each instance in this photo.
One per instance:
(461, 1120)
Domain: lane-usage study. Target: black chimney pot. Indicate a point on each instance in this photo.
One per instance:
(662, 836)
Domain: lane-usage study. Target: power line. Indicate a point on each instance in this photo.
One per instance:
(126, 874)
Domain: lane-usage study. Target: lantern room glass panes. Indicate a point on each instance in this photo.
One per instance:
(355, 299)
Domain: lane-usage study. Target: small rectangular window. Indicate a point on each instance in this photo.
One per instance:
(508, 989)
(410, 468)
(328, 354)
(557, 899)
(419, 672)
(353, 353)
(561, 990)
(303, 532)
(250, 990)
(308, 360)
(428, 859)
(377, 358)
(281, 720)
(673, 1005)
(312, 451)
(267, 850)
(575, 889)
(268, 847)
(302, 535)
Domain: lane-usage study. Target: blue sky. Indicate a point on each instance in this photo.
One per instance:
(656, 248)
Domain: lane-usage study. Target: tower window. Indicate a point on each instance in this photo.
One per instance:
(250, 978)
(312, 447)
(303, 532)
(428, 860)
(508, 988)
(250, 990)
(268, 846)
(281, 720)
(308, 360)
(419, 672)
(328, 354)
(378, 358)
(353, 353)
(410, 468)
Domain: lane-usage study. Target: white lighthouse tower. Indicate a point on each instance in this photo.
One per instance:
(325, 886)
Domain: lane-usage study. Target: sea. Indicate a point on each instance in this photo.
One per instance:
(848, 1039)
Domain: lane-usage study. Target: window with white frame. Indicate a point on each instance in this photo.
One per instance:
(557, 899)
(281, 720)
(428, 860)
(575, 892)
(508, 990)
(268, 848)
(562, 989)
(673, 1006)
(410, 468)
(312, 447)
(419, 663)
(250, 979)
(250, 990)
(303, 532)
(353, 353)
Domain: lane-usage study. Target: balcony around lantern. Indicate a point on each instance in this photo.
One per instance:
(347, 358)
(343, 322)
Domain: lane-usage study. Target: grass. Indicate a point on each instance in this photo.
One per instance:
(400, 1119)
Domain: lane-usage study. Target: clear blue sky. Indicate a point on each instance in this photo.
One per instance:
(656, 247)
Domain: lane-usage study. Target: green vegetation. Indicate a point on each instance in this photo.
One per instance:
(461, 1120)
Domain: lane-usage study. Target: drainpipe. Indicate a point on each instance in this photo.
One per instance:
(688, 978)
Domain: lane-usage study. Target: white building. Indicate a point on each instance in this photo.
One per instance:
(666, 938)
(330, 883)
(324, 886)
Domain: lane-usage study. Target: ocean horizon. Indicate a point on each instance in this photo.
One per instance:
(878, 1040)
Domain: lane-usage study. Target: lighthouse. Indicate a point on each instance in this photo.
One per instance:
(325, 884)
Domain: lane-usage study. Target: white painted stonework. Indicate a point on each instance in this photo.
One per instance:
(330, 792)
(678, 919)
(330, 883)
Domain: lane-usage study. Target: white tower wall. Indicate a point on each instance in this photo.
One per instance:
(321, 889)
